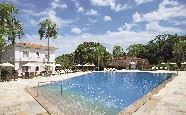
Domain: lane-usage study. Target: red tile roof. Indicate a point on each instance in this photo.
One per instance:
(32, 45)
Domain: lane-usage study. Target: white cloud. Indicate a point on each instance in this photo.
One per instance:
(126, 27)
(112, 3)
(56, 4)
(138, 2)
(118, 7)
(92, 20)
(63, 6)
(81, 9)
(167, 9)
(155, 27)
(58, 20)
(33, 13)
(76, 30)
(92, 12)
(136, 17)
(123, 38)
(107, 18)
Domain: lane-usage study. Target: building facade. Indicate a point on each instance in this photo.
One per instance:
(20, 54)
(127, 62)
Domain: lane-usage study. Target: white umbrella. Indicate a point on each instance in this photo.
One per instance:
(172, 63)
(28, 64)
(184, 63)
(78, 65)
(57, 65)
(7, 65)
(163, 63)
(86, 64)
(46, 64)
(132, 63)
(92, 65)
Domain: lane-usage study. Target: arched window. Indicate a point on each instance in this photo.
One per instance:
(37, 68)
(37, 53)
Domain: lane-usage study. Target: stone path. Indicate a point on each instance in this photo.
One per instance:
(171, 100)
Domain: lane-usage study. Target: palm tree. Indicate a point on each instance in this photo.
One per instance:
(48, 30)
(99, 53)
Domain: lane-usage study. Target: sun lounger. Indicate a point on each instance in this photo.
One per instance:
(62, 72)
(70, 71)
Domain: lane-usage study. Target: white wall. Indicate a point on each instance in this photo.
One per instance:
(14, 55)
(32, 55)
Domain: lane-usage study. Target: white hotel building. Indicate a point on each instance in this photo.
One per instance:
(23, 53)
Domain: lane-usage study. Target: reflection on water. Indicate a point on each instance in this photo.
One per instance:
(101, 93)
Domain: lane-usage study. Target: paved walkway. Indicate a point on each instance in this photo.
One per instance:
(171, 100)
(14, 99)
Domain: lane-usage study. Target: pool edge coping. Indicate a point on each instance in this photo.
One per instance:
(142, 100)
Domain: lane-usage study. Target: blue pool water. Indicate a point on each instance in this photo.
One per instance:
(102, 93)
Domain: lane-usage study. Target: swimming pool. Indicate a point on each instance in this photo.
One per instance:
(102, 93)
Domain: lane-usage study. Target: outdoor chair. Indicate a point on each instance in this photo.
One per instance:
(15, 76)
(22, 75)
(49, 73)
(31, 75)
(8, 77)
(3, 77)
(27, 75)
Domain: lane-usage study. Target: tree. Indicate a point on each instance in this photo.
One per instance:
(99, 53)
(91, 52)
(179, 50)
(137, 50)
(10, 26)
(66, 60)
(118, 51)
(48, 30)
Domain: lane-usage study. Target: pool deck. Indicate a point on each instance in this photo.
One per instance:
(15, 100)
(170, 100)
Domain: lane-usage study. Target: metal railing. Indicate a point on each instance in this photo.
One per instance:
(61, 86)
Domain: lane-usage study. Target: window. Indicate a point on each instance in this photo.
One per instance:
(37, 53)
(37, 68)
(25, 54)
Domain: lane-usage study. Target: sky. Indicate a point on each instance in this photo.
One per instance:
(109, 22)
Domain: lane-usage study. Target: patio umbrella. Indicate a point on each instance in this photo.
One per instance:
(132, 63)
(6, 65)
(172, 63)
(57, 65)
(28, 64)
(78, 65)
(86, 65)
(184, 63)
(92, 65)
(46, 64)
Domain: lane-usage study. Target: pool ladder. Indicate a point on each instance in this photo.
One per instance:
(61, 86)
